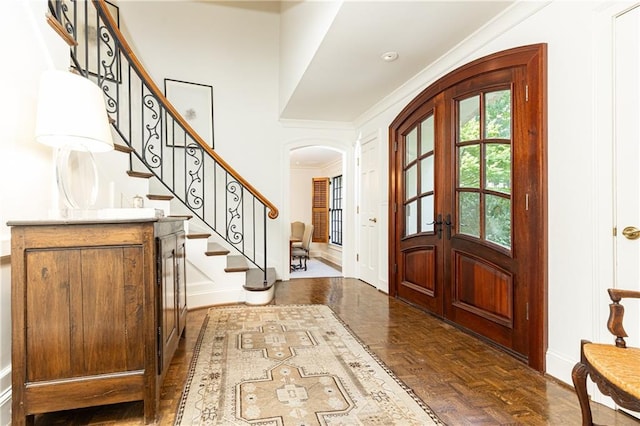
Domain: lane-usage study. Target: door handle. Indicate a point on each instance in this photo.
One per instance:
(373, 219)
(631, 233)
(438, 224)
(448, 223)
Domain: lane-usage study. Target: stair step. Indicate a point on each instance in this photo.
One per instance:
(215, 249)
(185, 216)
(159, 197)
(198, 236)
(236, 264)
(145, 175)
(255, 279)
(122, 148)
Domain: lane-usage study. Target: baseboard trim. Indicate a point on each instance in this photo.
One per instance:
(335, 261)
(204, 294)
(559, 367)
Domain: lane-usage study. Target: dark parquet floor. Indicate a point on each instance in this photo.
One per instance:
(465, 381)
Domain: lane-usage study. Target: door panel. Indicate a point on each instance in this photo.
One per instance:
(468, 221)
(420, 260)
(483, 289)
(627, 157)
(419, 284)
(167, 300)
(626, 66)
(482, 249)
(419, 270)
(369, 204)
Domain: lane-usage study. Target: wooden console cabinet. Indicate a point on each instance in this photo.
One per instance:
(98, 308)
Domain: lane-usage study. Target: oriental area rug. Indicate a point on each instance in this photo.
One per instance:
(291, 365)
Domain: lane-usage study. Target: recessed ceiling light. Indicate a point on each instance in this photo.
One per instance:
(389, 56)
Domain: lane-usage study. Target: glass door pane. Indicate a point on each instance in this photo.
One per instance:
(419, 178)
(484, 161)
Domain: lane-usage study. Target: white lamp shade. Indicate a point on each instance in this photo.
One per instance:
(71, 113)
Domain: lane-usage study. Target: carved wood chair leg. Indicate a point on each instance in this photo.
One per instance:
(579, 377)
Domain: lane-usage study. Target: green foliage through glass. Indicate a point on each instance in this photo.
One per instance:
(486, 160)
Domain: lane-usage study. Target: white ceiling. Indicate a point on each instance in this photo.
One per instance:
(347, 76)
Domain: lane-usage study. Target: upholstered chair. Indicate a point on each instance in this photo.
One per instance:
(302, 253)
(297, 232)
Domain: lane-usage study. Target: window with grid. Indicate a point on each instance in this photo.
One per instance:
(336, 210)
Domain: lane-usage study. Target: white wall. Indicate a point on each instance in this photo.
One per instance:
(303, 26)
(579, 249)
(26, 167)
(300, 193)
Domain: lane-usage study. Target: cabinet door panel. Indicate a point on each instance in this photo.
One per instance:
(48, 316)
(103, 310)
(167, 299)
(181, 281)
(112, 288)
(134, 306)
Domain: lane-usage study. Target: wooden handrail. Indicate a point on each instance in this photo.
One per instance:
(137, 66)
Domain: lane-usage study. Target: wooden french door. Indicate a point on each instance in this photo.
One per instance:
(468, 210)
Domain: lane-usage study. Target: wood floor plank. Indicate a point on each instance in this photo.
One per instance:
(464, 380)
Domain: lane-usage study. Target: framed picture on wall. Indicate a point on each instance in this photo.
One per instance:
(194, 102)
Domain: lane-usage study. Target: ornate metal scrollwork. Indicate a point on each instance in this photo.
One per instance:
(66, 22)
(195, 191)
(107, 65)
(110, 100)
(153, 128)
(234, 224)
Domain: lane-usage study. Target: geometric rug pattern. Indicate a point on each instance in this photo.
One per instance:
(291, 365)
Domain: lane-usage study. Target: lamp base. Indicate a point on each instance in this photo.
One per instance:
(77, 177)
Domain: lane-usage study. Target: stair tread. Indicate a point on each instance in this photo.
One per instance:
(196, 236)
(159, 197)
(255, 279)
(236, 264)
(122, 148)
(185, 216)
(145, 175)
(215, 249)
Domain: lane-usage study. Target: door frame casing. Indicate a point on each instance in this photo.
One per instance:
(533, 59)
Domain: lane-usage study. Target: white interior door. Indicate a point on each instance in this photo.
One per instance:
(369, 215)
(627, 162)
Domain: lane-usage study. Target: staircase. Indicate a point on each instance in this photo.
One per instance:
(164, 159)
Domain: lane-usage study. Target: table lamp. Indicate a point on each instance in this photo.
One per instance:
(72, 117)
